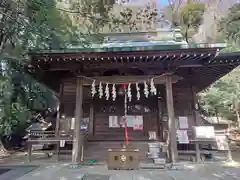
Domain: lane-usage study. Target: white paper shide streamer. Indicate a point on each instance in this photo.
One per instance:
(146, 92)
(153, 89)
(100, 90)
(129, 93)
(93, 90)
(107, 92)
(149, 89)
(138, 92)
(114, 94)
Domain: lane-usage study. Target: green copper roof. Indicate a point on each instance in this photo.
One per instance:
(129, 48)
(158, 40)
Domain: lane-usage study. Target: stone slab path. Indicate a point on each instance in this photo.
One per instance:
(190, 172)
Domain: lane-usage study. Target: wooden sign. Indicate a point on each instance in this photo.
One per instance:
(204, 132)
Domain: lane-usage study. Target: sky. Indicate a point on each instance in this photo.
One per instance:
(163, 1)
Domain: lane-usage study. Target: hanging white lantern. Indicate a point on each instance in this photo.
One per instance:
(153, 89)
(93, 90)
(129, 94)
(138, 91)
(114, 93)
(100, 90)
(146, 91)
(107, 92)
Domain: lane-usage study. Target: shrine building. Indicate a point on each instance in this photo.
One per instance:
(152, 83)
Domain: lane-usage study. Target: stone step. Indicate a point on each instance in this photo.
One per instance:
(159, 161)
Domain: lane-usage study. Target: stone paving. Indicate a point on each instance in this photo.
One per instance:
(197, 172)
(51, 170)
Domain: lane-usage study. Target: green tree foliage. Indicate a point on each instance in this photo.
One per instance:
(222, 99)
(41, 24)
(24, 25)
(48, 28)
(231, 47)
(230, 25)
(191, 17)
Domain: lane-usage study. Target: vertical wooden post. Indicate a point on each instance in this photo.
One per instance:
(57, 128)
(57, 125)
(91, 119)
(229, 153)
(195, 114)
(159, 120)
(77, 139)
(171, 120)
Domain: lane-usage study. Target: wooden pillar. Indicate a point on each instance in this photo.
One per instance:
(171, 120)
(197, 123)
(77, 137)
(159, 120)
(91, 119)
(57, 125)
(57, 128)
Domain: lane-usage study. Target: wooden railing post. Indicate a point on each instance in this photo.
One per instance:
(77, 139)
(171, 120)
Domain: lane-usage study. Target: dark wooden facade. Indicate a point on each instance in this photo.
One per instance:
(184, 72)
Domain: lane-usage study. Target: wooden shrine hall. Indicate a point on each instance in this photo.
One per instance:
(161, 83)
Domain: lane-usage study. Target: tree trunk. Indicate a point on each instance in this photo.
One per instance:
(238, 118)
(3, 151)
(216, 112)
(186, 33)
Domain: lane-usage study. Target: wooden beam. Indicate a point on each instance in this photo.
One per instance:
(81, 56)
(77, 138)
(159, 63)
(129, 79)
(171, 120)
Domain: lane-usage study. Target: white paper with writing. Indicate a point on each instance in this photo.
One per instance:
(183, 122)
(182, 137)
(138, 123)
(113, 122)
